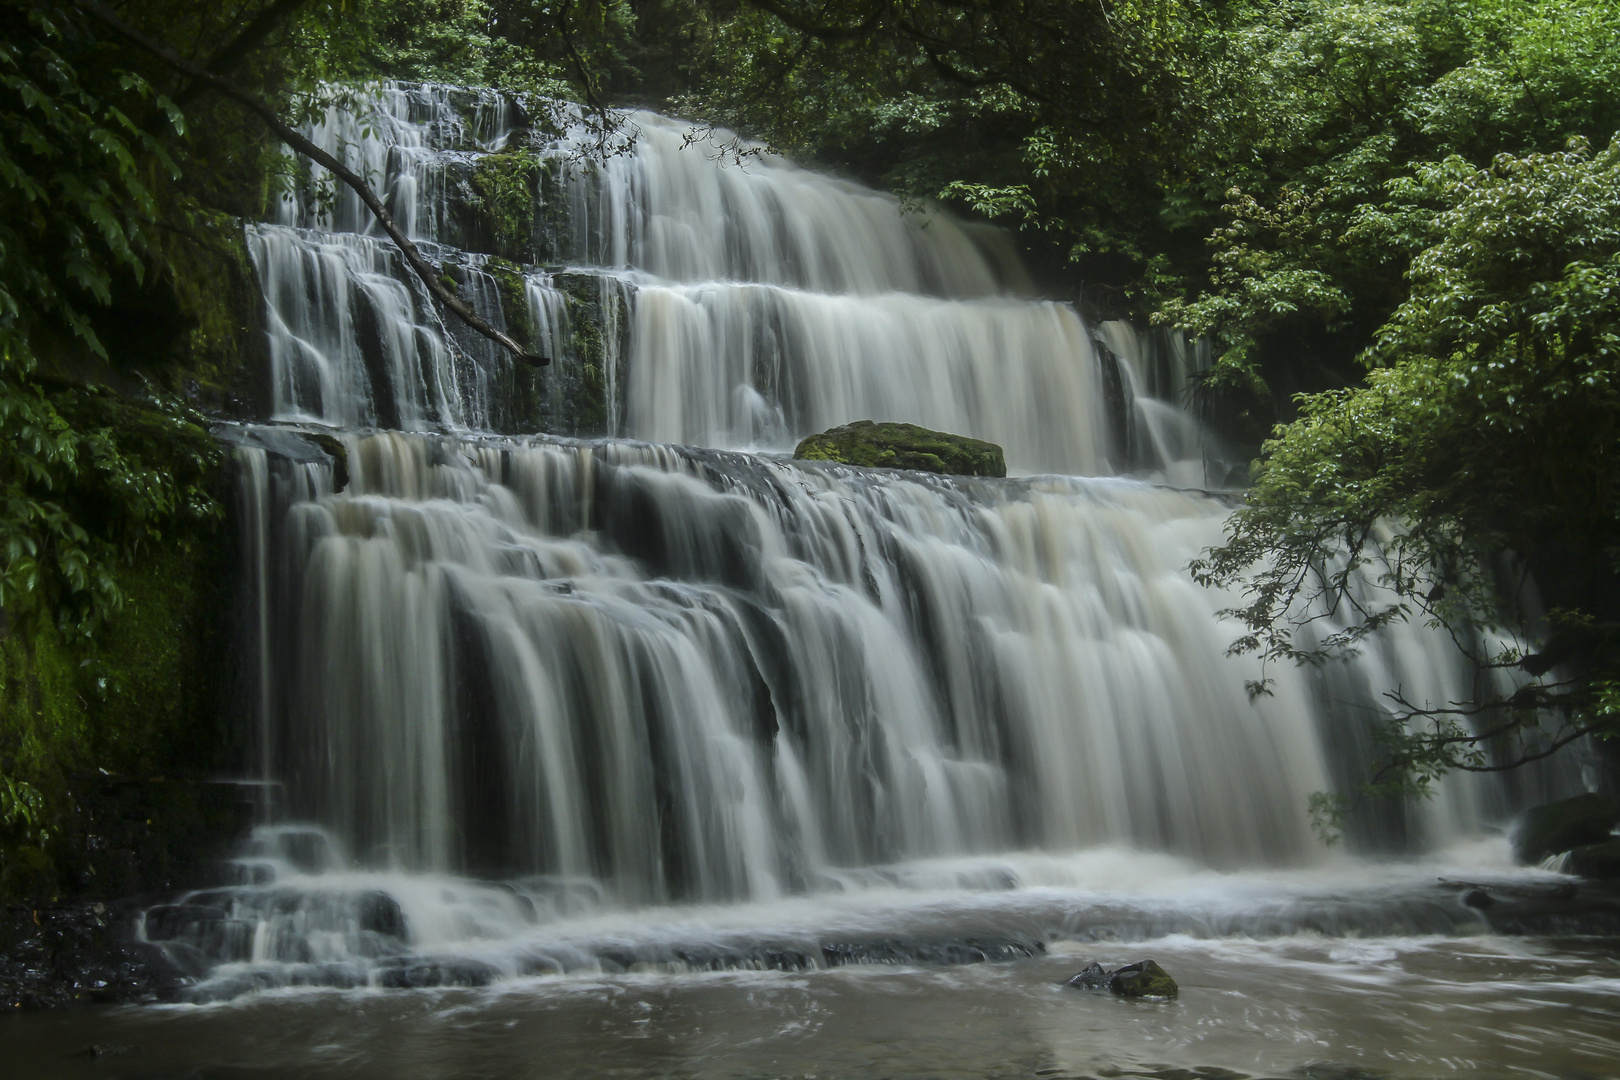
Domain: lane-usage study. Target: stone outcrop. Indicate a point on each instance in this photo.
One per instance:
(1558, 827)
(1143, 979)
(904, 446)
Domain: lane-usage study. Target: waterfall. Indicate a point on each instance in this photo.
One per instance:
(760, 301)
(503, 674)
(703, 675)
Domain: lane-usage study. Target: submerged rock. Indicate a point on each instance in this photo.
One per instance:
(1094, 977)
(904, 446)
(1560, 826)
(1144, 979)
(1598, 861)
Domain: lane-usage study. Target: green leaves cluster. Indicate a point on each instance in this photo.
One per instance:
(73, 176)
(506, 187)
(77, 216)
(1483, 446)
(1343, 124)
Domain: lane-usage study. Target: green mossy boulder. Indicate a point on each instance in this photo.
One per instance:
(1145, 979)
(1558, 827)
(904, 446)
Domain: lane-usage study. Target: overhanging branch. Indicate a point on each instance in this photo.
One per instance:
(424, 269)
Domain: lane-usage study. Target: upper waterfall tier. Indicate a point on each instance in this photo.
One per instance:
(686, 292)
(406, 140)
(673, 205)
(690, 211)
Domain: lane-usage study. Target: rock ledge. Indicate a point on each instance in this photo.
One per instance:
(904, 446)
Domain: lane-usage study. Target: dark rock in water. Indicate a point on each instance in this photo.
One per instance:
(380, 914)
(1144, 979)
(68, 954)
(339, 453)
(1563, 910)
(904, 446)
(1560, 826)
(451, 971)
(101, 1050)
(1598, 861)
(1478, 899)
(1094, 977)
(945, 952)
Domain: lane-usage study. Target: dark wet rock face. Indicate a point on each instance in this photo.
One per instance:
(1600, 862)
(904, 446)
(1558, 827)
(68, 954)
(1094, 977)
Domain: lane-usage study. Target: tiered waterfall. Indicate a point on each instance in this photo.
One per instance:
(591, 633)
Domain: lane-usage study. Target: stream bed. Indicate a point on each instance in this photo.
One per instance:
(1352, 971)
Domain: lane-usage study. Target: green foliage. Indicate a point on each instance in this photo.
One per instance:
(1487, 430)
(76, 212)
(97, 479)
(1353, 118)
(506, 187)
(22, 811)
(77, 205)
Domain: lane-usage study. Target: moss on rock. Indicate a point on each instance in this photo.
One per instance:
(1144, 979)
(904, 446)
(138, 700)
(506, 188)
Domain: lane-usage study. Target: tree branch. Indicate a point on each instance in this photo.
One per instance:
(424, 269)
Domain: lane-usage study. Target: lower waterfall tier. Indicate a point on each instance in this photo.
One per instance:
(699, 675)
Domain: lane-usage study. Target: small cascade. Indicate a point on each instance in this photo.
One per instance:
(1151, 378)
(688, 208)
(411, 142)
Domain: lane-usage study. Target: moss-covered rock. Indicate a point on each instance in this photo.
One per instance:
(1144, 979)
(592, 358)
(904, 446)
(1558, 827)
(505, 190)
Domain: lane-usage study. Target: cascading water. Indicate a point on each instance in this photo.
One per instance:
(763, 301)
(506, 680)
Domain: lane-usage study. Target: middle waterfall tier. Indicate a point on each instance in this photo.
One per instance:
(693, 674)
(681, 297)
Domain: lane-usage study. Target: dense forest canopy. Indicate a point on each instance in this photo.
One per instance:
(1395, 221)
